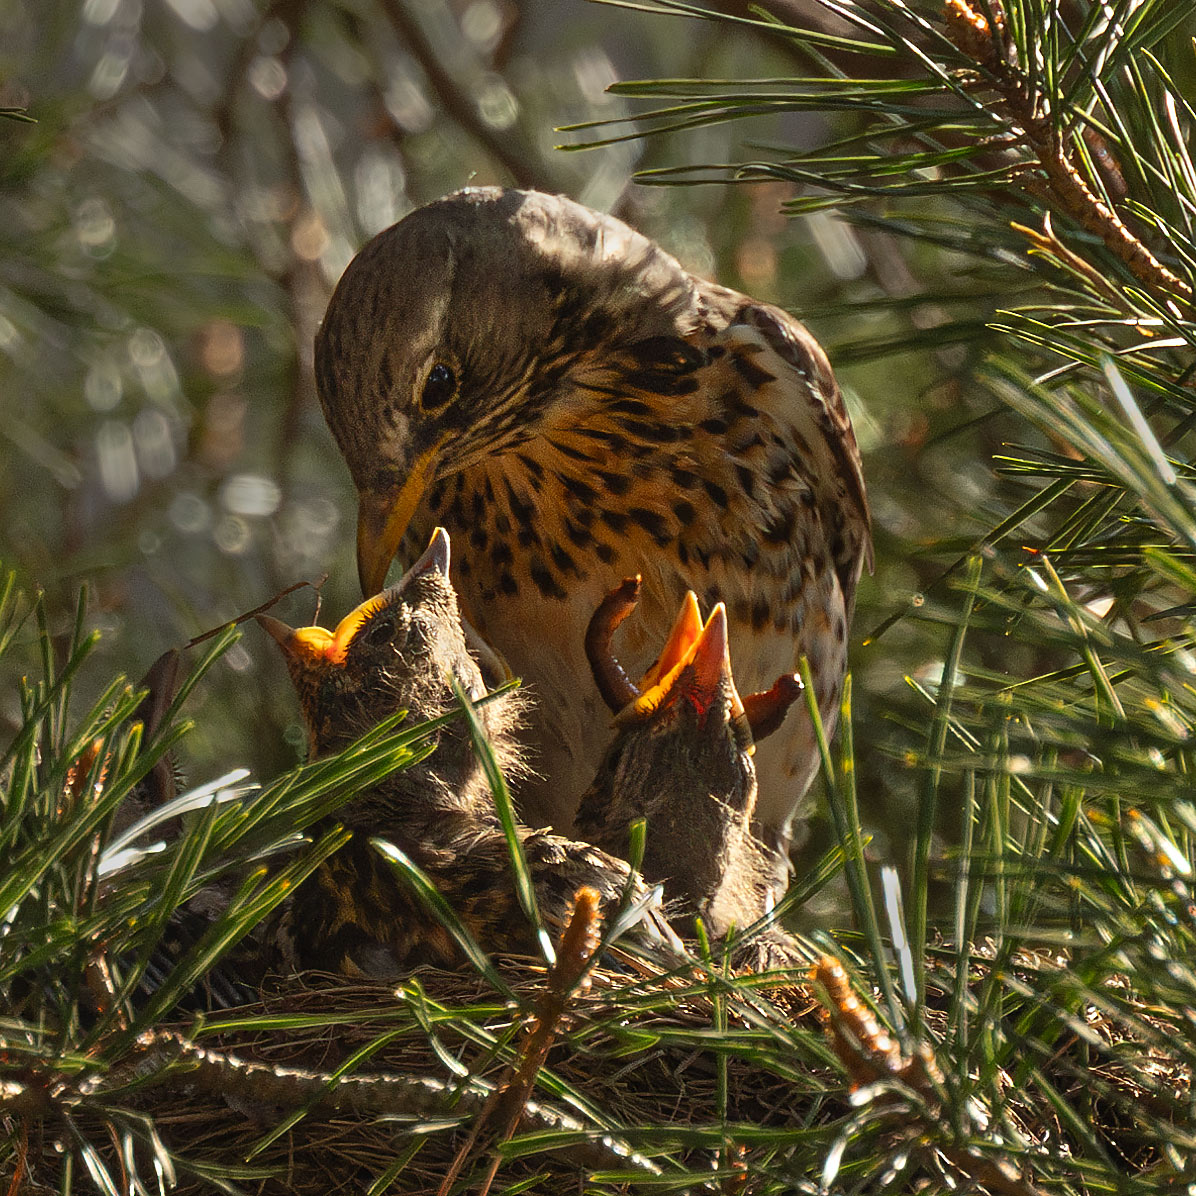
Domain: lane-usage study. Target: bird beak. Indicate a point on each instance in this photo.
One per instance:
(383, 516)
(302, 647)
(435, 557)
(710, 660)
(706, 665)
(686, 629)
(316, 647)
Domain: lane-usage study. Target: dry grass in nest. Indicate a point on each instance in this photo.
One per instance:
(684, 1084)
(626, 1054)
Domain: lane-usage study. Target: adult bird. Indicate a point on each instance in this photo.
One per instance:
(575, 407)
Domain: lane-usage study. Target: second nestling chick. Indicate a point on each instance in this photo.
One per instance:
(355, 916)
(681, 759)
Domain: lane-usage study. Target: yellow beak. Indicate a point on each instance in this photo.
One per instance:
(383, 517)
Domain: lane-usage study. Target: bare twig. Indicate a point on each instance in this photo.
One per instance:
(245, 616)
(183, 1064)
(576, 954)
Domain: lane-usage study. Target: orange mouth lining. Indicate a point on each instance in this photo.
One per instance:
(690, 645)
(318, 643)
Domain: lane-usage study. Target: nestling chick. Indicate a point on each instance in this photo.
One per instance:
(398, 651)
(681, 759)
(401, 650)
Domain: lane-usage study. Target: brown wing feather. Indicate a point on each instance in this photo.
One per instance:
(791, 341)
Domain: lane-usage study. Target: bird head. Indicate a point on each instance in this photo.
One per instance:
(692, 678)
(396, 650)
(693, 666)
(683, 735)
(681, 757)
(453, 334)
(399, 650)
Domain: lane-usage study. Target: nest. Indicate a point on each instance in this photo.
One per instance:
(625, 1067)
(611, 1077)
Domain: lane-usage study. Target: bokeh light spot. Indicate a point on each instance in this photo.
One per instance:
(250, 494)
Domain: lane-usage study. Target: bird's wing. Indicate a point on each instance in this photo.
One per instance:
(792, 342)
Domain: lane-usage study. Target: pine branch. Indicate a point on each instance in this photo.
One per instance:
(878, 1071)
(991, 47)
(508, 1105)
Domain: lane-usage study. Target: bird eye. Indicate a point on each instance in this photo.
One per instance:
(381, 631)
(440, 387)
